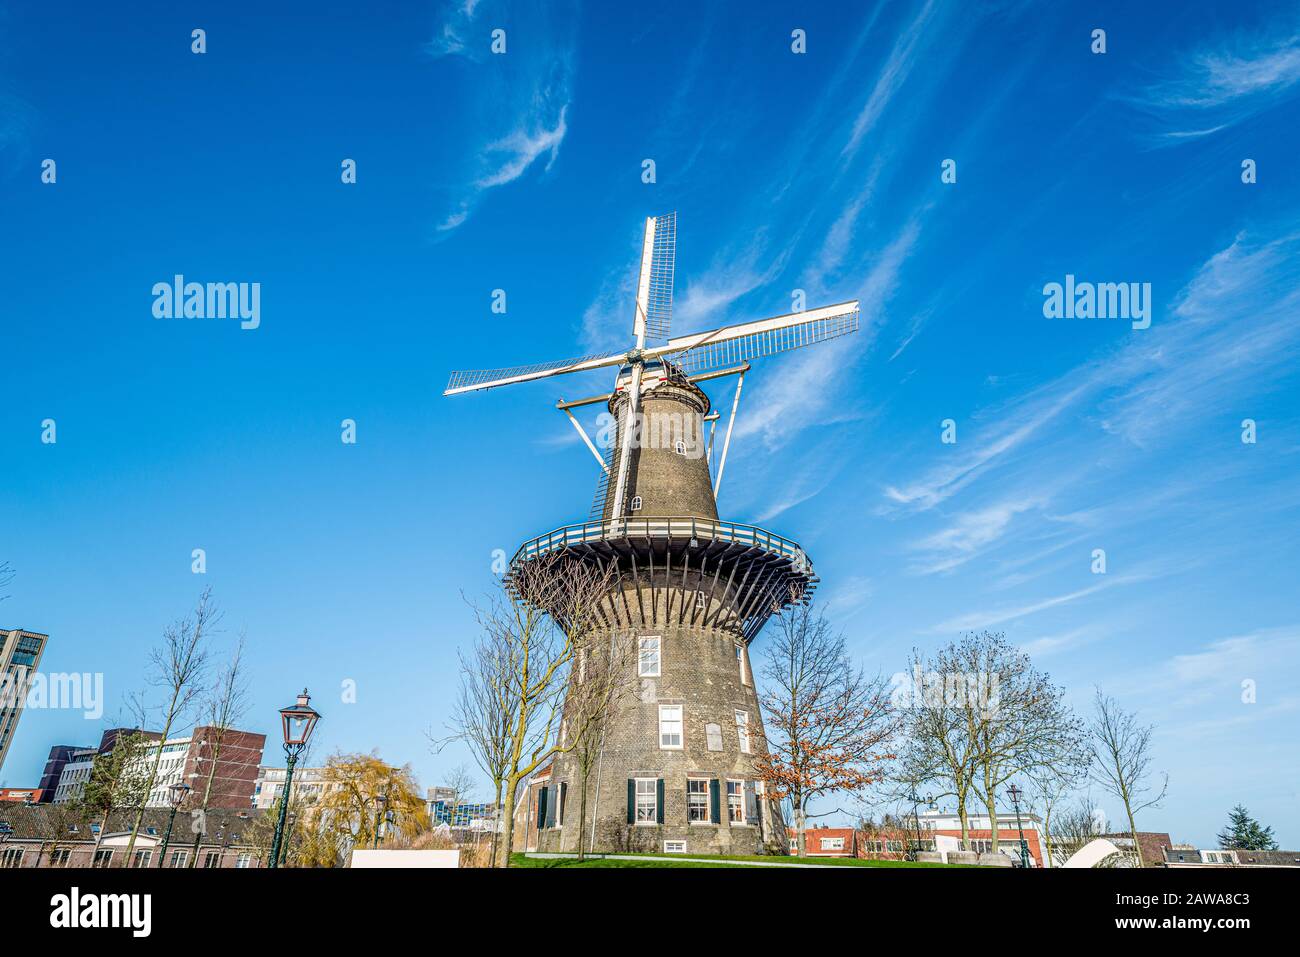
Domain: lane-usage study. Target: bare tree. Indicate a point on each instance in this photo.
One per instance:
(1020, 725)
(483, 715)
(1050, 786)
(1074, 826)
(1121, 761)
(940, 723)
(603, 682)
(548, 610)
(224, 705)
(830, 725)
(461, 783)
(179, 667)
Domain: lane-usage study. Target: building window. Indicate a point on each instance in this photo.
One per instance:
(11, 857)
(697, 800)
(832, 843)
(740, 663)
(670, 726)
(679, 447)
(59, 858)
(244, 860)
(648, 659)
(179, 858)
(742, 730)
(142, 858)
(700, 601)
(636, 503)
(736, 802)
(103, 858)
(674, 847)
(211, 859)
(647, 800)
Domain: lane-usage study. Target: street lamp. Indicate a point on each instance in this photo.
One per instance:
(178, 792)
(381, 803)
(1015, 793)
(917, 800)
(298, 720)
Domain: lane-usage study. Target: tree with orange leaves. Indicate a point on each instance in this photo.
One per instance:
(830, 725)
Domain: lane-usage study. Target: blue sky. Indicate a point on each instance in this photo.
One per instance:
(522, 172)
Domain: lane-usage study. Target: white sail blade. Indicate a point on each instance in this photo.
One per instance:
(663, 262)
(732, 345)
(474, 380)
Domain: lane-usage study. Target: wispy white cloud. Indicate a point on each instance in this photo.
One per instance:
(522, 98)
(970, 535)
(1230, 332)
(1238, 78)
(893, 74)
(977, 620)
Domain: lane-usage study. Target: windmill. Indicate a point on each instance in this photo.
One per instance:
(698, 356)
(692, 590)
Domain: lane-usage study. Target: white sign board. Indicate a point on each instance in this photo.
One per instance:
(406, 858)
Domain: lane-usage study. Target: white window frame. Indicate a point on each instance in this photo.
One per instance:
(679, 447)
(179, 858)
(832, 843)
(703, 807)
(739, 805)
(641, 670)
(742, 731)
(653, 795)
(636, 504)
(740, 660)
(674, 847)
(244, 861)
(681, 727)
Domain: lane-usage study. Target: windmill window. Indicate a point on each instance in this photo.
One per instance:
(742, 730)
(647, 801)
(636, 503)
(697, 800)
(648, 658)
(736, 802)
(680, 447)
(670, 726)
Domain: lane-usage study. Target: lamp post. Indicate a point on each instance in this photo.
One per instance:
(917, 800)
(1015, 793)
(298, 721)
(381, 804)
(179, 790)
(284, 850)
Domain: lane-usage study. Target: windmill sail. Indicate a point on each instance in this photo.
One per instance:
(732, 345)
(663, 261)
(490, 378)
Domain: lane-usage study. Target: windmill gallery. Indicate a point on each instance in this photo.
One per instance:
(678, 761)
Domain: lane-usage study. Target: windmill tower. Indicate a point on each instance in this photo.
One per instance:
(676, 770)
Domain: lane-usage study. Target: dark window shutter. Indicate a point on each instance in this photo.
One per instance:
(564, 794)
(715, 802)
(751, 803)
(552, 805)
(541, 807)
(631, 800)
(659, 801)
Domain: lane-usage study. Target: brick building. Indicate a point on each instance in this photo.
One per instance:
(53, 835)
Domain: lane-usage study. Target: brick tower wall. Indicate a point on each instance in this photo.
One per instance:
(671, 484)
(699, 670)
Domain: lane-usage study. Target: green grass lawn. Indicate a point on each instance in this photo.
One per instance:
(519, 860)
(713, 860)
